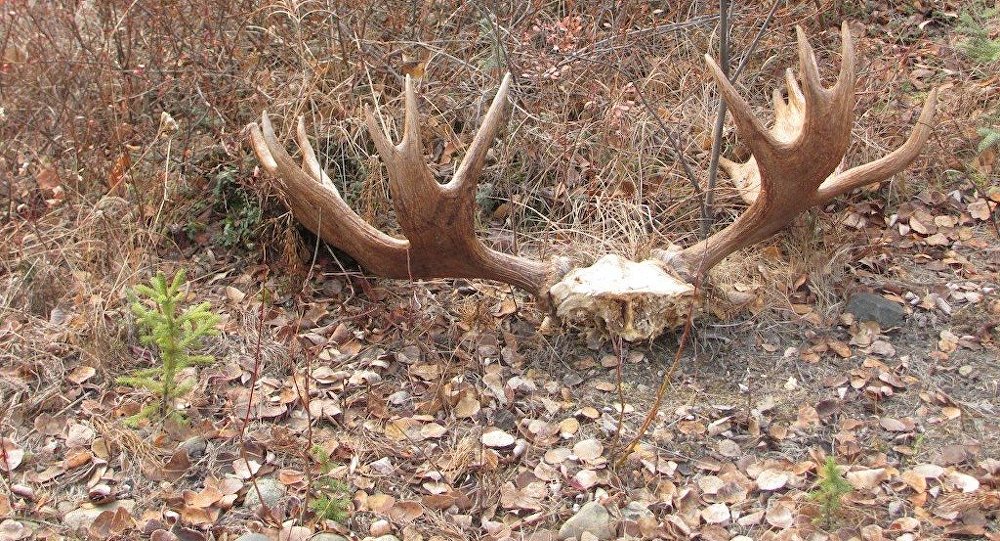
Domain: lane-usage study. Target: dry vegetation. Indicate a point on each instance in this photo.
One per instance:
(438, 408)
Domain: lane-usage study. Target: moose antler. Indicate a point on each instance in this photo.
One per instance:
(794, 167)
(437, 220)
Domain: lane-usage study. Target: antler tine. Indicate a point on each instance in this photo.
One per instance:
(472, 165)
(808, 69)
(886, 166)
(759, 139)
(309, 161)
(260, 145)
(411, 141)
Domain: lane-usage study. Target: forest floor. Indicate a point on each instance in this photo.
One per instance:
(853, 394)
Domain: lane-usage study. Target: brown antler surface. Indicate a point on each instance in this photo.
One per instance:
(794, 164)
(438, 220)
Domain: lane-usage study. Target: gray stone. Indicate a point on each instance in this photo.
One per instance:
(195, 446)
(637, 511)
(84, 517)
(271, 493)
(253, 537)
(326, 536)
(875, 307)
(592, 518)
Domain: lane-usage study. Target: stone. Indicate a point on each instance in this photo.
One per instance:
(195, 446)
(382, 538)
(636, 511)
(327, 536)
(592, 518)
(637, 520)
(253, 537)
(875, 307)
(271, 493)
(84, 517)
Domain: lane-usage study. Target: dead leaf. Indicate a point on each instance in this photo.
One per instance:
(12, 455)
(81, 374)
(771, 479)
(780, 515)
(497, 439)
(717, 513)
(467, 407)
(588, 450)
(867, 479)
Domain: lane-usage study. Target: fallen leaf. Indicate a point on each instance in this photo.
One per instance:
(771, 479)
(497, 439)
(588, 450)
(867, 479)
(717, 513)
(12, 455)
(780, 515)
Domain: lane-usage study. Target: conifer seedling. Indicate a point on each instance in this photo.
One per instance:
(175, 333)
(830, 489)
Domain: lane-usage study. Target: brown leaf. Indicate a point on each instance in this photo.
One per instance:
(717, 513)
(979, 209)
(205, 498)
(867, 479)
(780, 515)
(588, 450)
(893, 425)
(771, 479)
(584, 479)
(12, 530)
(467, 407)
(406, 511)
(81, 374)
(111, 523)
(497, 439)
(162, 535)
(12, 455)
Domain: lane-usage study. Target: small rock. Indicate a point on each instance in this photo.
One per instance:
(637, 511)
(326, 536)
(382, 538)
(253, 537)
(84, 517)
(195, 446)
(637, 519)
(593, 518)
(271, 492)
(380, 527)
(875, 307)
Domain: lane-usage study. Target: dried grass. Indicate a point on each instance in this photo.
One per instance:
(584, 161)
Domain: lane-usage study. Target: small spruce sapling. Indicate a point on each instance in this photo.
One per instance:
(831, 486)
(175, 333)
(332, 496)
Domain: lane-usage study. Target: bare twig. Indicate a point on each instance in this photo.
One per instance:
(720, 120)
(708, 214)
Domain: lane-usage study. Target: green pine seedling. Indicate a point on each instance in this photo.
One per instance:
(829, 491)
(175, 333)
(331, 501)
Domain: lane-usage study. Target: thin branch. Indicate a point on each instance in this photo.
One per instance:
(756, 40)
(720, 120)
(708, 213)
